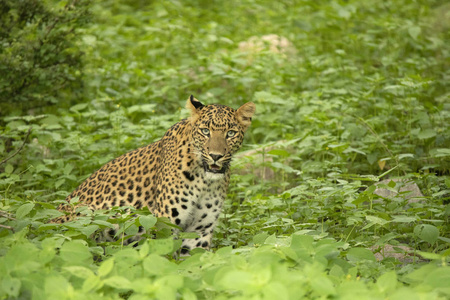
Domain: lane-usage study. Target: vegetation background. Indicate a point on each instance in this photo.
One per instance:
(348, 93)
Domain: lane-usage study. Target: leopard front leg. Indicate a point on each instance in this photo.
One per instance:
(203, 241)
(203, 220)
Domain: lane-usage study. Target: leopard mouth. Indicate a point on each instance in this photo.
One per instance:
(213, 168)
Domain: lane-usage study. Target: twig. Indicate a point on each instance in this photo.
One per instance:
(7, 227)
(376, 135)
(378, 138)
(18, 150)
(6, 215)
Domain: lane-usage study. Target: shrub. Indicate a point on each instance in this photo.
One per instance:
(39, 55)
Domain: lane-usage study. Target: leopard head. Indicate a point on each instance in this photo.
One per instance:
(218, 132)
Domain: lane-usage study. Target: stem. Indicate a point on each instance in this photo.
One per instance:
(7, 227)
(18, 150)
(348, 235)
(6, 215)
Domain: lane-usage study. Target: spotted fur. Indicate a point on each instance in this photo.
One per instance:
(184, 176)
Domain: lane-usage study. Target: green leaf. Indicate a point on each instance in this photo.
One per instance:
(302, 242)
(161, 246)
(404, 293)
(392, 184)
(147, 221)
(75, 200)
(431, 256)
(143, 251)
(157, 265)
(24, 210)
(75, 252)
(351, 149)
(414, 31)
(79, 271)
(439, 279)
(118, 282)
(57, 287)
(447, 240)
(403, 219)
(91, 284)
(421, 273)
(106, 267)
(271, 240)
(260, 238)
(78, 107)
(89, 230)
(322, 285)
(427, 232)
(376, 220)
(168, 286)
(440, 152)
(11, 286)
(9, 169)
(405, 155)
(103, 223)
(234, 280)
(360, 254)
(387, 282)
(372, 158)
(426, 134)
(48, 251)
(127, 256)
(371, 189)
(59, 182)
(279, 152)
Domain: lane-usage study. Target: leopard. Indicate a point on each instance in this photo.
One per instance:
(184, 176)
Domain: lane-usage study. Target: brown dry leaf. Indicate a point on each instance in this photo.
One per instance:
(381, 164)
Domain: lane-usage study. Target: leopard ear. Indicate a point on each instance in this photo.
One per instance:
(194, 106)
(244, 114)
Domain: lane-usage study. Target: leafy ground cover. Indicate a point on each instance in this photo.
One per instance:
(347, 93)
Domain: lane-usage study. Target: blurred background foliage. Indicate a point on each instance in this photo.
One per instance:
(41, 59)
(357, 82)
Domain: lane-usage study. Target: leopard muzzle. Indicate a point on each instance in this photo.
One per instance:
(215, 164)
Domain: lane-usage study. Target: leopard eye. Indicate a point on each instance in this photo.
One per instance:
(231, 133)
(205, 131)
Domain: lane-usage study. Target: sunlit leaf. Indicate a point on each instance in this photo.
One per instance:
(147, 221)
(74, 252)
(106, 267)
(387, 282)
(118, 282)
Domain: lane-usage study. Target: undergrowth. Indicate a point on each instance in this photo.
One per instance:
(348, 93)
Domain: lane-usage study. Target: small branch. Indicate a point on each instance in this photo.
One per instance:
(18, 150)
(377, 137)
(7, 227)
(6, 215)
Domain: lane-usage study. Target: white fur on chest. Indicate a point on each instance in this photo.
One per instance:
(205, 203)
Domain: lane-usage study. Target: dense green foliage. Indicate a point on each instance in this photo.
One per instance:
(347, 93)
(40, 59)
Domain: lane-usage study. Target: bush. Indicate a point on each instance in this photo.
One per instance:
(39, 55)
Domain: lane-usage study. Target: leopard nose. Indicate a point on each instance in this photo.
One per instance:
(216, 157)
